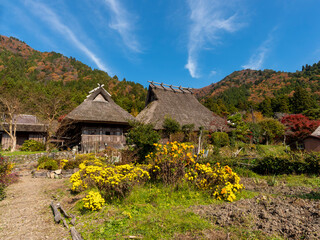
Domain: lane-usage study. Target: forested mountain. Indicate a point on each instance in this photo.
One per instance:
(35, 77)
(31, 75)
(268, 91)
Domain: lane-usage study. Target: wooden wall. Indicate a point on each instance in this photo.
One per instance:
(5, 140)
(312, 144)
(96, 139)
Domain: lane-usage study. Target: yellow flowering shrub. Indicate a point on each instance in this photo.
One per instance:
(112, 181)
(222, 182)
(169, 161)
(93, 201)
(62, 163)
(175, 162)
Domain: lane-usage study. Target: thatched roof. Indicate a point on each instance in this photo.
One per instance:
(26, 123)
(99, 107)
(316, 133)
(181, 105)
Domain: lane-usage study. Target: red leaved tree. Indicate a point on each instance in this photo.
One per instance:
(298, 127)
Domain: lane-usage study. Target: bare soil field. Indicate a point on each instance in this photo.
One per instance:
(279, 211)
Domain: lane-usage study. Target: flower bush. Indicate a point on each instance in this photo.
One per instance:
(175, 162)
(222, 182)
(93, 201)
(169, 162)
(112, 181)
(6, 175)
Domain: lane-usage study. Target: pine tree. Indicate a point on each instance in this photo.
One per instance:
(265, 107)
(301, 100)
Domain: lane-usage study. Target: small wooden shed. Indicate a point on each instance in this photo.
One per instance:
(180, 104)
(96, 123)
(312, 142)
(28, 128)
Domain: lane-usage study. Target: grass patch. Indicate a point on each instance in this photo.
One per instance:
(151, 212)
(17, 153)
(266, 150)
(300, 180)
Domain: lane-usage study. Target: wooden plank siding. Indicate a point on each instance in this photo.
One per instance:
(5, 140)
(98, 138)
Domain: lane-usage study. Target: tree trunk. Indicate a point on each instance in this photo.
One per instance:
(14, 143)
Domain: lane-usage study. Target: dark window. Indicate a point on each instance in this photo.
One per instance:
(108, 133)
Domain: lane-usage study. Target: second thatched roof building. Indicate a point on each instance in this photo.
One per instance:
(180, 104)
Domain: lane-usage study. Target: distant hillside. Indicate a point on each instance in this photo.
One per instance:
(241, 88)
(25, 69)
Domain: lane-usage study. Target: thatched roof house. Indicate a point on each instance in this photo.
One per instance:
(97, 122)
(28, 127)
(180, 104)
(312, 142)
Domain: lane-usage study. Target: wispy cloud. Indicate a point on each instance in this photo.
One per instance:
(212, 73)
(257, 59)
(209, 20)
(122, 22)
(49, 16)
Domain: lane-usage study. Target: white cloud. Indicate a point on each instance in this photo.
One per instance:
(46, 14)
(123, 23)
(257, 59)
(212, 73)
(209, 19)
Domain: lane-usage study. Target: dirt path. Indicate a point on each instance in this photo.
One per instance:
(25, 212)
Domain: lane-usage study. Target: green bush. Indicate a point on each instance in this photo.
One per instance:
(308, 163)
(170, 126)
(220, 139)
(32, 146)
(142, 137)
(6, 175)
(2, 191)
(47, 163)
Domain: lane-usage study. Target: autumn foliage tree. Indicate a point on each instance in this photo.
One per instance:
(298, 127)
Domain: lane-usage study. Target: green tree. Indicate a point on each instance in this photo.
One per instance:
(143, 137)
(170, 126)
(254, 132)
(313, 114)
(270, 129)
(301, 100)
(265, 107)
(280, 104)
(187, 130)
(220, 139)
(239, 126)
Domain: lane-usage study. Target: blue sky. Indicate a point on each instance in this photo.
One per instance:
(192, 43)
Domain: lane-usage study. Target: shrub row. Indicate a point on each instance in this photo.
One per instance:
(308, 163)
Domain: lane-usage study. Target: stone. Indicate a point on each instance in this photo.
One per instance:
(52, 175)
(39, 174)
(58, 171)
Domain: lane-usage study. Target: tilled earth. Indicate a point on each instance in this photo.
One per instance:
(277, 211)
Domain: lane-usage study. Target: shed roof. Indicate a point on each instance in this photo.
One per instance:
(99, 107)
(181, 105)
(316, 133)
(26, 123)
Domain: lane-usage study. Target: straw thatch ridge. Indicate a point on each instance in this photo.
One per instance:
(179, 105)
(99, 107)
